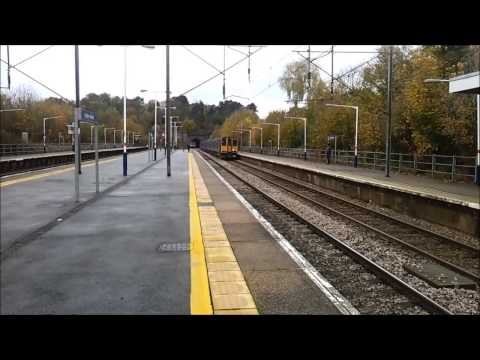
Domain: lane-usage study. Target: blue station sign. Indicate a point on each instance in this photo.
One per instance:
(88, 116)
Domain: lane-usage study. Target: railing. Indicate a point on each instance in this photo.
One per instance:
(22, 149)
(452, 167)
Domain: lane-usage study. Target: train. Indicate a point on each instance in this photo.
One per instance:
(225, 148)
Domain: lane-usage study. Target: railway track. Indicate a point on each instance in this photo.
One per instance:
(371, 288)
(458, 256)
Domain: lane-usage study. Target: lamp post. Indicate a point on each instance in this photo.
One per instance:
(261, 138)
(105, 134)
(304, 133)
(249, 138)
(278, 136)
(114, 132)
(44, 134)
(172, 127)
(167, 104)
(477, 162)
(125, 107)
(176, 133)
(355, 159)
(155, 126)
(165, 129)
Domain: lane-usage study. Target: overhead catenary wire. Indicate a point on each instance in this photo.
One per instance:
(268, 87)
(214, 76)
(38, 82)
(32, 56)
(327, 73)
(205, 61)
(356, 67)
(289, 53)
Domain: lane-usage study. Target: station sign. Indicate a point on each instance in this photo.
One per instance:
(71, 129)
(88, 116)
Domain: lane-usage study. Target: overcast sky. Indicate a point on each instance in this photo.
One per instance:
(102, 70)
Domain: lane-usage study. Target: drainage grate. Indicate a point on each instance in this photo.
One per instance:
(173, 247)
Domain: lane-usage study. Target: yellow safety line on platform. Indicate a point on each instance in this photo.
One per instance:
(50, 173)
(200, 301)
(229, 291)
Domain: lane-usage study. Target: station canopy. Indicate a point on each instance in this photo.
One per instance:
(466, 84)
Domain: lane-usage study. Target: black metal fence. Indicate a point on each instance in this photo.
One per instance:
(451, 167)
(23, 149)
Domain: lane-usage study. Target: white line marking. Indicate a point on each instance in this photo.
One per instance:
(337, 299)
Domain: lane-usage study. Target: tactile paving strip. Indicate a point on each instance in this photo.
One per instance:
(229, 291)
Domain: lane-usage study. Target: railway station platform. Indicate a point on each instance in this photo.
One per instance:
(458, 193)
(455, 205)
(123, 253)
(147, 244)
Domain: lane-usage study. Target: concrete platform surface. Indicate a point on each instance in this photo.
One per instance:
(34, 199)
(107, 258)
(457, 193)
(277, 284)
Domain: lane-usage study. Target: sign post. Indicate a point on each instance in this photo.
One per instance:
(90, 117)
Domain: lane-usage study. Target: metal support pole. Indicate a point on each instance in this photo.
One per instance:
(44, 137)
(389, 118)
(305, 137)
(331, 84)
(91, 134)
(165, 132)
(278, 141)
(261, 141)
(97, 177)
(309, 74)
(167, 104)
(155, 134)
(477, 167)
(125, 113)
(77, 114)
(335, 149)
(355, 160)
(224, 54)
(433, 165)
(454, 164)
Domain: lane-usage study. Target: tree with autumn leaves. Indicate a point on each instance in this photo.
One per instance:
(425, 119)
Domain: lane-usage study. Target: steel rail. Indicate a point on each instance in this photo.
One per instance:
(411, 293)
(445, 263)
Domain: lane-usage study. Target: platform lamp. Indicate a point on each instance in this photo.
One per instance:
(355, 159)
(261, 138)
(278, 135)
(44, 134)
(125, 105)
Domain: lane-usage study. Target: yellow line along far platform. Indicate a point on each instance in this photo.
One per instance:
(49, 173)
(229, 293)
